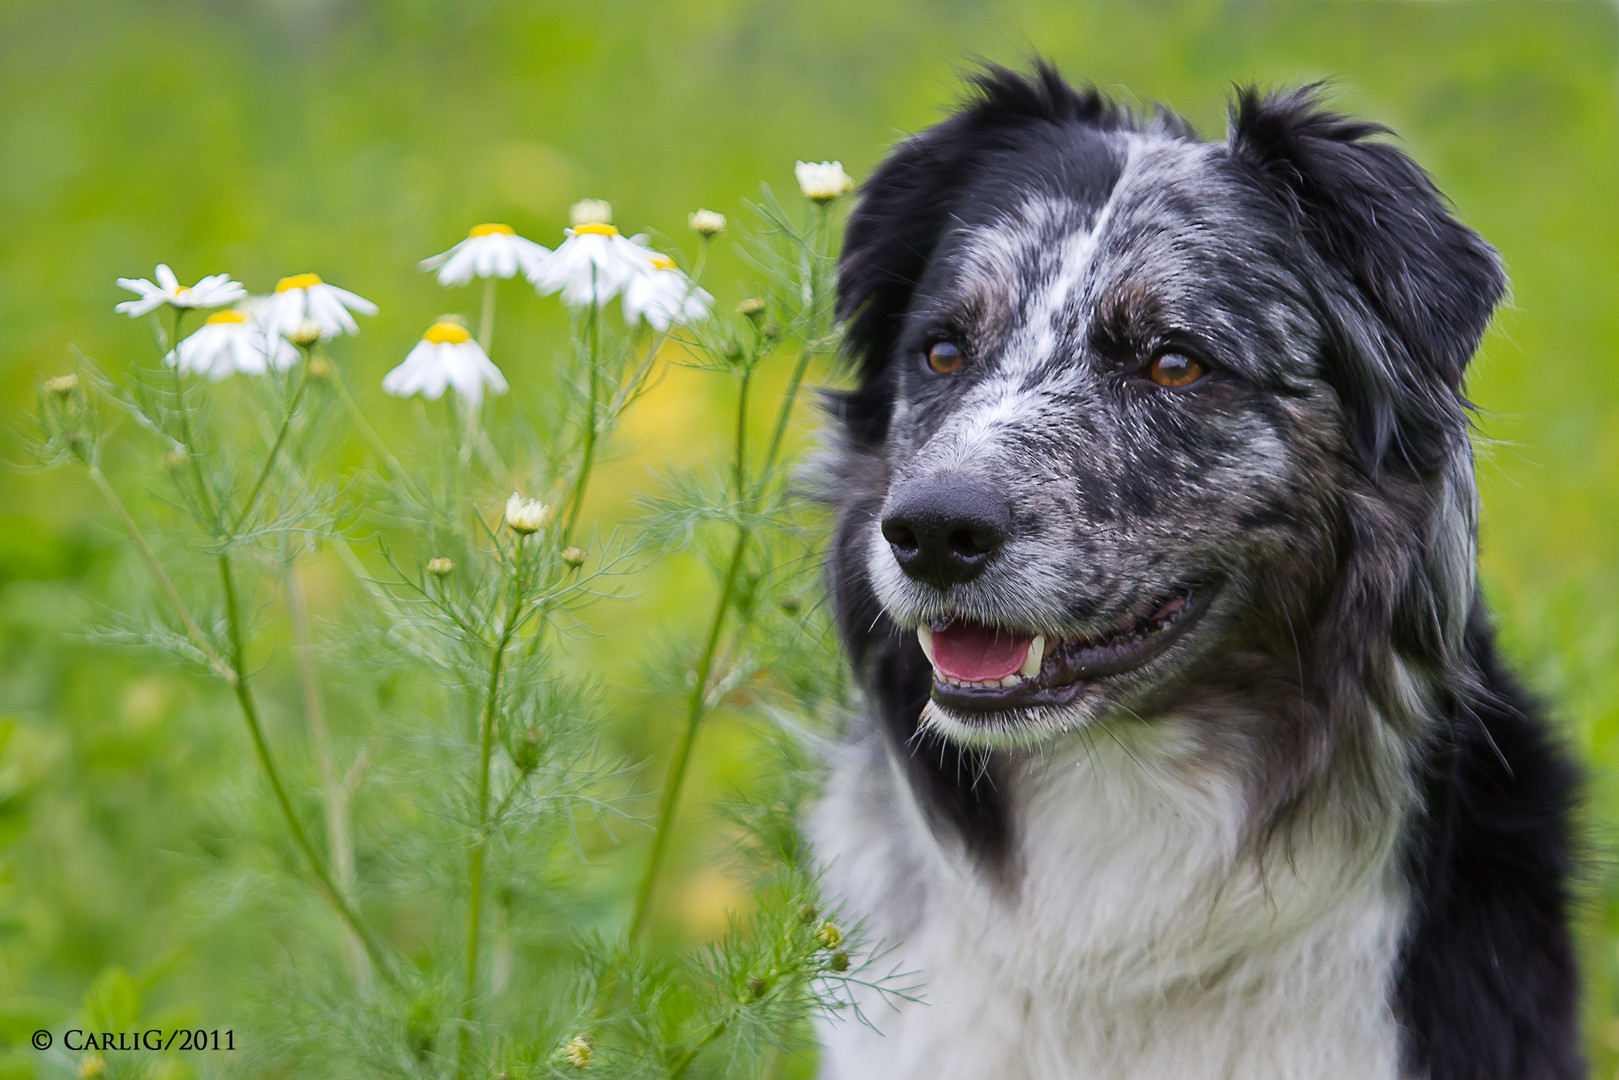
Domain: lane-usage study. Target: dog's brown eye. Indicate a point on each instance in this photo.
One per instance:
(1175, 369)
(944, 357)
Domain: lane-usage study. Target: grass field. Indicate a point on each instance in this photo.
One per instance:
(353, 139)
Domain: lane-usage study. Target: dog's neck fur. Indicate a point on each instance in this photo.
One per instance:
(1134, 929)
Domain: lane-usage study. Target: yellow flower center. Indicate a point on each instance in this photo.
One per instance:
(297, 281)
(227, 317)
(493, 228)
(662, 262)
(447, 333)
(178, 289)
(595, 228)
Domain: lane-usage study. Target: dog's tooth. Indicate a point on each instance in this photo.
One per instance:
(1034, 657)
(924, 637)
(1011, 680)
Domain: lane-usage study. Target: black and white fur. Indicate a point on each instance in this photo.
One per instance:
(1323, 835)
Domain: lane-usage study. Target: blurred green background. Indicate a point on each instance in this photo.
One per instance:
(353, 139)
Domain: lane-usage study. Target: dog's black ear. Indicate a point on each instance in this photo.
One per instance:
(903, 210)
(1432, 282)
(908, 204)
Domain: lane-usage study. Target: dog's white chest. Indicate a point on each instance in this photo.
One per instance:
(1134, 943)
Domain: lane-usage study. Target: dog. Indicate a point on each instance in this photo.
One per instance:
(1187, 750)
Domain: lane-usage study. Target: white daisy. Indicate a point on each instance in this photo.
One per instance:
(822, 181)
(445, 357)
(306, 296)
(662, 295)
(231, 342)
(215, 290)
(526, 516)
(492, 250)
(591, 266)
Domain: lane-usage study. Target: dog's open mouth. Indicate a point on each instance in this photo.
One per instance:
(978, 668)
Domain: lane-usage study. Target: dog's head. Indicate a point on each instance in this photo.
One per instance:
(1137, 410)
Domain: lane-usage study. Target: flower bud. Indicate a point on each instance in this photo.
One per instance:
(174, 459)
(757, 987)
(829, 936)
(319, 368)
(822, 181)
(526, 754)
(526, 516)
(839, 962)
(573, 557)
(807, 913)
(305, 334)
(92, 1067)
(62, 385)
(577, 1052)
(752, 307)
(706, 222)
(440, 567)
(590, 212)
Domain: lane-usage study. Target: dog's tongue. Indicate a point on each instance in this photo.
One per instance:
(973, 653)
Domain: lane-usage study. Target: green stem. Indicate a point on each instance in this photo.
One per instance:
(275, 448)
(813, 281)
(478, 439)
(785, 413)
(486, 318)
(334, 792)
(682, 1063)
(475, 857)
(502, 806)
(576, 499)
(198, 638)
(790, 396)
(696, 705)
(370, 433)
(300, 837)
(234, 672)
(471, 413)
(204, 495)
(739, 471)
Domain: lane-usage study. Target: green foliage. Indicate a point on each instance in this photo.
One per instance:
(471, 818)
(136, 831)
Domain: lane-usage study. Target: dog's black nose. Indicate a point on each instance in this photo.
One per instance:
(944, 531)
